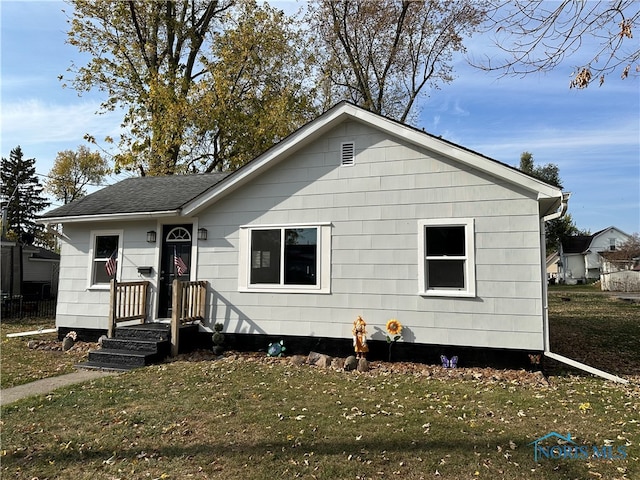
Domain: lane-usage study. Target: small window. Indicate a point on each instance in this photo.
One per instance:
(348, 154)
(446, 256)
(104, 257)
(612, 244)
(179, 234)
(285, 258)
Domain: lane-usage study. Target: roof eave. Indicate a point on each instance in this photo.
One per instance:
(111, 217)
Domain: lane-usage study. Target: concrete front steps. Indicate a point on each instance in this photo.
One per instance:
(132, 346)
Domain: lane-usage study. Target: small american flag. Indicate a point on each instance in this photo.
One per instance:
(111, 264)
(181, 267)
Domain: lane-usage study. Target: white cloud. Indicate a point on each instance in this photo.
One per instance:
(36, 122)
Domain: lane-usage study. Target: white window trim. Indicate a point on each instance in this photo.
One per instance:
(324, 260)
(470, 267)
(102, 233)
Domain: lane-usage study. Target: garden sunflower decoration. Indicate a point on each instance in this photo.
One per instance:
(394, 330)
(394, 327)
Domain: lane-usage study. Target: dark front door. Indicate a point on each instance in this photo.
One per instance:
(175, 263)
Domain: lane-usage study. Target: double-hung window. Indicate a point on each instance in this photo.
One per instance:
(446, 257)
(285, 257)
(105, 259)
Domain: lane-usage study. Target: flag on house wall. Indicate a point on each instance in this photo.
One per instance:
(181, 267)
(112, 263)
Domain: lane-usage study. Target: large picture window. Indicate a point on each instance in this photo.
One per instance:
(446, 256)
(287, 257)
(104, 257)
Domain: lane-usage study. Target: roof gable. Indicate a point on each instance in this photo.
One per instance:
(610, 231)
(549, 195)
(187, 195)
(582, 243)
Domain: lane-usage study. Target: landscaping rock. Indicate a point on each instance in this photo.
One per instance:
(350, 363)
(67, 343)
(363, 365)
(298, 360)
(319, 359)
(337, 363)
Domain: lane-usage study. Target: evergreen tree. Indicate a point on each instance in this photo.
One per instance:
(549, 173)
(22, 198)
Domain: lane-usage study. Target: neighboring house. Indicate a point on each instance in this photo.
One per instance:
(580, 258)
(29, 272)
(352, 214)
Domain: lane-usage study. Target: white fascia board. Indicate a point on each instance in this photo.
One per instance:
(467, 157)
(108, 217)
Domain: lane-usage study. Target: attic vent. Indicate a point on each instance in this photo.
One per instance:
(348, 154)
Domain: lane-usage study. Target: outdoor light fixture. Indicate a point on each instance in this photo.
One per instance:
(202, 234)
(151, 236)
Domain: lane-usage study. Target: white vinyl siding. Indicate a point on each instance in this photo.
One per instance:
(373, 210)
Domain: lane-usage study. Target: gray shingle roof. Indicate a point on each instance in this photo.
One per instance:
(576, 243)
(140, 195)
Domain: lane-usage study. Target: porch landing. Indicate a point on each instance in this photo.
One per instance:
(135, 346)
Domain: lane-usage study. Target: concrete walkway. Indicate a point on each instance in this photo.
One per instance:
(47, 385)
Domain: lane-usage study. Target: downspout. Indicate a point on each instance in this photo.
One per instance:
(545, 305)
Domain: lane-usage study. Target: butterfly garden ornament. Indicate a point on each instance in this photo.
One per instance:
(449, 362)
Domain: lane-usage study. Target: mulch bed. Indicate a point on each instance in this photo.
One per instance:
(515, 377)
(56, 346)
(485, 374)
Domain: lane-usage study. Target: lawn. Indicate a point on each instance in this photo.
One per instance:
(21, 364)
(254, 417)
(595, 328)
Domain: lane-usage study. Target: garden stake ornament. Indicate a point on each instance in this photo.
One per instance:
(394, 330)
(360, 337)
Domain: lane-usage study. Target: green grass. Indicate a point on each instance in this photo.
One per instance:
(595, 328)
(20, 364)
(252, 417)
(247, 418)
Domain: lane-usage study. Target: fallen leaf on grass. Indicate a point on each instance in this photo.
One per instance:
(111, 460)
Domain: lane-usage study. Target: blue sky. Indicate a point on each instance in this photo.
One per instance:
(593, 135)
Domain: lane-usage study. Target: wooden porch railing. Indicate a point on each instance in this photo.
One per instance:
(187, 305)
(128, 301)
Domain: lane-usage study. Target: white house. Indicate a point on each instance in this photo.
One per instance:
(580, 258)
(353, 214)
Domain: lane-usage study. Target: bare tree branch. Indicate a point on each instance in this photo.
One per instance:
(536, 36)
